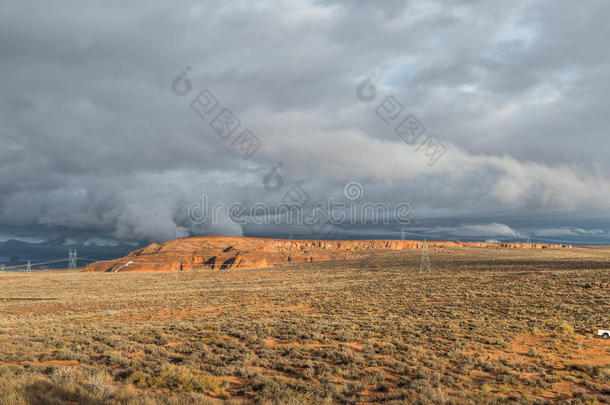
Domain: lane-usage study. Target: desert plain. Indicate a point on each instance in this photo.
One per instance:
(486, 324)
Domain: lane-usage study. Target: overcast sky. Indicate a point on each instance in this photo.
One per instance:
(96, 141)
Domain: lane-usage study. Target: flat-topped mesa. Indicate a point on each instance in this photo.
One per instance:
(223, 252)
(520, 245)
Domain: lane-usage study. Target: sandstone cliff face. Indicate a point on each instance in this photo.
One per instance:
(227, 253)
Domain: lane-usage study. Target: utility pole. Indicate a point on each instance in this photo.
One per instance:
(72, 260)
(425, 258)
(28, 269)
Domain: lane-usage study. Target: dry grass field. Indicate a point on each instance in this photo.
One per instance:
(486, 325)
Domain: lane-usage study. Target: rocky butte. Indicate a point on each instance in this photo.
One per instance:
(228, 253)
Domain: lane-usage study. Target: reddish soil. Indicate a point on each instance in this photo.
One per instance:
(575, 349)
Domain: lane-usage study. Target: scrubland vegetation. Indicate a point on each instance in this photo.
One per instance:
(484, 326)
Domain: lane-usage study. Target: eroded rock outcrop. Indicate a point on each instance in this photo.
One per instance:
(228, 253)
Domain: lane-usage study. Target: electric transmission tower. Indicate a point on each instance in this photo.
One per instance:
(28, 269)
(290, 231)
(402, 234)
(72, 260)
(2, 268)
(425, 258)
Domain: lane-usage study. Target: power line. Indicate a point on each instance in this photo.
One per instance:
(425, 258)
(72, 260)
(36, 264)
(18, 266)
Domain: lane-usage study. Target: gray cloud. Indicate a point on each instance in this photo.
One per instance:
(94, 140)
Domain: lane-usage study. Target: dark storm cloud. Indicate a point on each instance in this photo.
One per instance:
(93, 139)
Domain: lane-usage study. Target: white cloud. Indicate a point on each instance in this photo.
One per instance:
(567, 231)
(478, 230)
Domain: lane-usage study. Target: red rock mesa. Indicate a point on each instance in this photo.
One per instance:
(223, 252)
